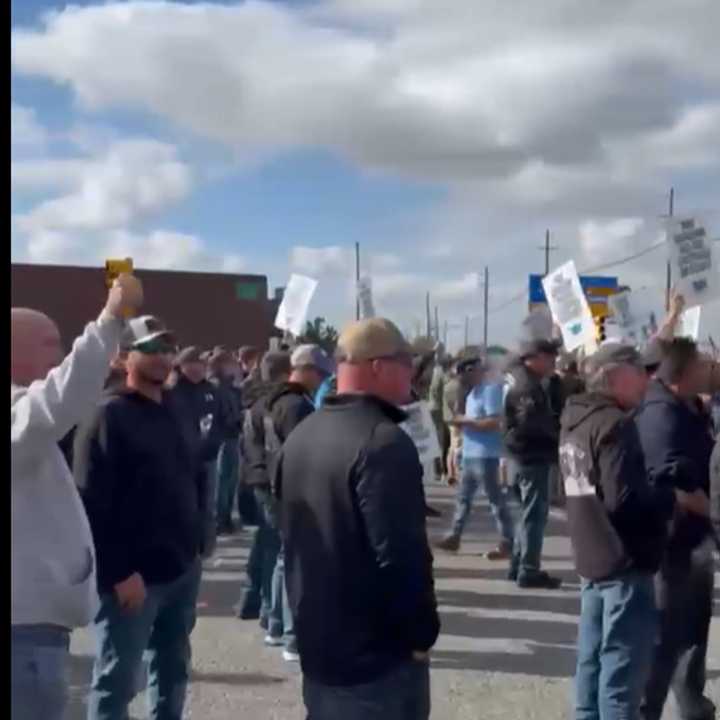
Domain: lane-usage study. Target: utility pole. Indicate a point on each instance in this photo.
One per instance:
(668, 286)
(437, 325)
(486, 299)
(445, 334)
(428, 321)
(467, 330)
(547, 248)
(357, 280)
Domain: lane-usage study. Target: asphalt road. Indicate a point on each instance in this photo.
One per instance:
(503, 653)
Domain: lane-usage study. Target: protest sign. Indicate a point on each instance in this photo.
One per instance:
(694, 266)
(365, 299)
(635, 315)
(569, 308)
(689, 324)
(421, 429)
(292, 313)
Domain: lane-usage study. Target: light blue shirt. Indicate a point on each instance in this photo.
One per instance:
(484, 401)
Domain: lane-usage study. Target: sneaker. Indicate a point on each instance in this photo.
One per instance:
(501, 552)
(450, 543)
(290, 656)
(273, 640)
(539, 580)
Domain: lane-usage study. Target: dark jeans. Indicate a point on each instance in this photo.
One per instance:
(532, 483)
(257, 592)
(228, 465)
(684, 591)
(618, 623)
(38, 668)
(485, 472)
(402, 694)
(162, 629)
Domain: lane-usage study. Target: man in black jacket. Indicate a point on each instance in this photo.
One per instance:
(138, 469)
(676, 437)
(358, 565)
(531, 436)
(618, 528)
(196, 399)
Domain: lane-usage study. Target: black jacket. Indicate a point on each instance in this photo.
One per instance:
(715, 488)
(617, 520)
(284, 406)
(677, 442)
(230, 402)
(199, 405)
(530, 427)
(139, 477)
(358, 565)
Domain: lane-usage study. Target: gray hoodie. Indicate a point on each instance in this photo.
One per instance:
(52, 555)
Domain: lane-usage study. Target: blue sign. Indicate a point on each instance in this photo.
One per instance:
(597, 289)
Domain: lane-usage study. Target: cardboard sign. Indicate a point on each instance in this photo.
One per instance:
(421, 429)
(569, 307)
(292, 313)
(694, 266)
(365, 298)
(636, 316)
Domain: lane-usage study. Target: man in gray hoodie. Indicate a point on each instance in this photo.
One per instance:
(53, 586)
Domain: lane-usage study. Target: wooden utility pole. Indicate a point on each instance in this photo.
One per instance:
(467, 330)
(668, 285)
(437, 325)
(547, 248)
(486, 299)
(357, 280)
(428, 321)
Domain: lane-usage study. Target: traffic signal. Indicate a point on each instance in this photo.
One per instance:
(600, 328)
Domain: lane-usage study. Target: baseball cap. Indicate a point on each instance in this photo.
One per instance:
(312, 356)
(614, 354)
(274, 365)
(530, 348)
(371, 339)
(653, 354)
(190, 354)
(143, 330)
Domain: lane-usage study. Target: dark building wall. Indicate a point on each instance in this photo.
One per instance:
(204, 309)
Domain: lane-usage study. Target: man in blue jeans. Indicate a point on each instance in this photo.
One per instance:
(618, 528)
(138, 464)
(482, 447)
(531, 440)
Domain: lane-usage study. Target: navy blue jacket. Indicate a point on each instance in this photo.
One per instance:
(677, 444)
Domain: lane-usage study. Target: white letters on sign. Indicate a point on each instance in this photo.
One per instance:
(694, 266)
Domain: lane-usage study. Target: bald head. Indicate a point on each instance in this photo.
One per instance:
(35, 346)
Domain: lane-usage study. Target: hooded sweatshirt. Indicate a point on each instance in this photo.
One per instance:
(617, 520)
(52, 554)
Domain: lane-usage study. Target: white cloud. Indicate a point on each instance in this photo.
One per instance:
(132, 180)
(319, 261)
(25, 130)
(597, 239)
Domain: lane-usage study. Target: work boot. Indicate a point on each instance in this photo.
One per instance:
(502, 552)
(538, 580)
(450, 543)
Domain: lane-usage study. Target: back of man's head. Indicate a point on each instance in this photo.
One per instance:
(35, 346)
(275, 367)
(681, 366)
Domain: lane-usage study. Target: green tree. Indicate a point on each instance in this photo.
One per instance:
(318, 332)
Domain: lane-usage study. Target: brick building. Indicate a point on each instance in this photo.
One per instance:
(204, 309)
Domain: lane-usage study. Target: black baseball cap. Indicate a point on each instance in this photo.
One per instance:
(531, 348)
(614, 354)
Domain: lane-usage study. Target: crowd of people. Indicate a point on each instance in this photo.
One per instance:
(130, 456)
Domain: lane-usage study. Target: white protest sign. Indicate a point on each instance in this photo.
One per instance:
(292, 313)
(689, 323)
(365, 299)
(635, 316)
(569, 307)
(421, 429)
(538, 325)
(694, 265)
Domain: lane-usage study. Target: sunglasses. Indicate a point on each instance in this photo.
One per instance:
(158, 346)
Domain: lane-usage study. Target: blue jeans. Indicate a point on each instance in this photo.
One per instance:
(618, 625)
(532, 482)
(281, 620)
(162, 629)
(487, 472)
(228, 466)
(39, 667)
(401, 694)
(256, 596)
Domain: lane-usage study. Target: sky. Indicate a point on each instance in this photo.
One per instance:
(269, 137)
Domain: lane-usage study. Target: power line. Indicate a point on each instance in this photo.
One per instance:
(585, 271)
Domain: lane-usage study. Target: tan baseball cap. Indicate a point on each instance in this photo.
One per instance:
(371, 339)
